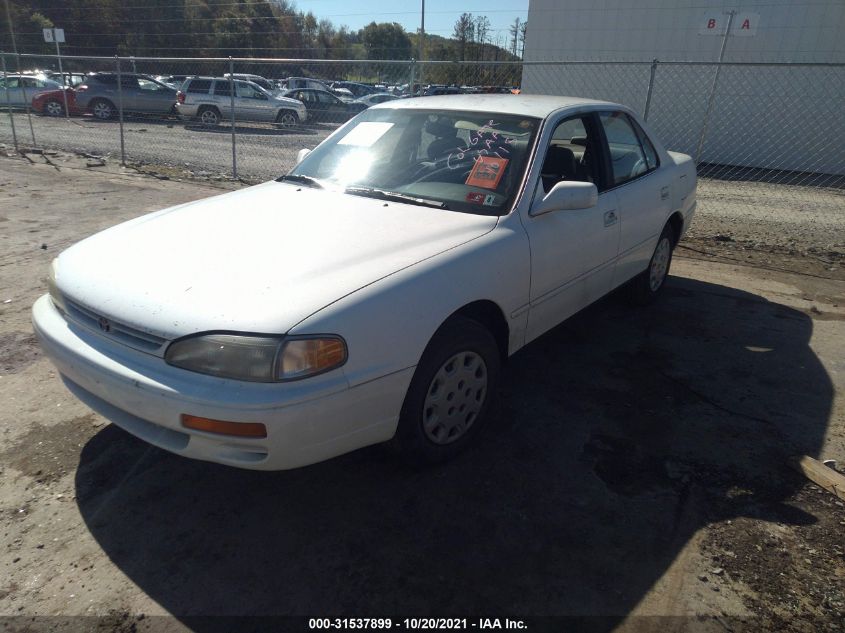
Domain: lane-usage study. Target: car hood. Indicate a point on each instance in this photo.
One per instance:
(260, 259)
(289, 101)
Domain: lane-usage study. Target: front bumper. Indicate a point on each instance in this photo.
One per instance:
(307, 421)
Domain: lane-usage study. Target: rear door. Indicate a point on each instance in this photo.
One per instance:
(642, 188)
(14, 91)
(155, 97)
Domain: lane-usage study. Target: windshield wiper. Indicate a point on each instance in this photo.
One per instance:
(381, 194)
(302, 178)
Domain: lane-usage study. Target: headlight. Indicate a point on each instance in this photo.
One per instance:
(53, 289)
(257, 358)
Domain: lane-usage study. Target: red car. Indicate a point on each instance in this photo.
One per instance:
(52, 103)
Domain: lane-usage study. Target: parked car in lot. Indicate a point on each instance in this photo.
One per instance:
(209, 100)
(324, 107)
(18, 90)
(174, 81)
(357, 89)
(373, 292)
(266, 84)
(52, 102)
(140, 94)
(379, 97)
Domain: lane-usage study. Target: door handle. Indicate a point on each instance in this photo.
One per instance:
(610, 217)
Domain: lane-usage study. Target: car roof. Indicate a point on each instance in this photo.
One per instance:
(539, 106)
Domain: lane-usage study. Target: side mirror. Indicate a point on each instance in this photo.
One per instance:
(567, 195)
(302, 154)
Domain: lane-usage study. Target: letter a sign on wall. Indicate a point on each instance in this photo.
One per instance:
(744, 24)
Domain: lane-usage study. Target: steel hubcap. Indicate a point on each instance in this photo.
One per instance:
(455, 397)
(659, 264)
(102, 111)
(209, 117)
(287, 120)
(54, 108)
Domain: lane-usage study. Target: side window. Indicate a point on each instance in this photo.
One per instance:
(626, 154)
(246, 91)
(29, 82)
(199, 86)
(222, 88)
(569, 155)
(326, 98)
(148, 84)
(648, 148)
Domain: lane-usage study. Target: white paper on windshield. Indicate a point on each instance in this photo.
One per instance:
(366, 133)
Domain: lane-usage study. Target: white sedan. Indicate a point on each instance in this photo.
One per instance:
(374, 291)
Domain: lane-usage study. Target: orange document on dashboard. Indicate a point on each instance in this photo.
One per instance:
(487, 172)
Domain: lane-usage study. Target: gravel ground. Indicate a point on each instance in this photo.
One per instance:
(637, 481)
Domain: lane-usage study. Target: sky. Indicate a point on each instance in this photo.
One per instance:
(440, 15)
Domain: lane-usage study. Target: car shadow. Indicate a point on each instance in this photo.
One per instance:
(615, 438)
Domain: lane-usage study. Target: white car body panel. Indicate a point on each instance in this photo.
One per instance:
(280, 258)
(197, 276)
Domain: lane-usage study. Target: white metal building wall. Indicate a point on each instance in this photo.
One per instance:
(757, 108)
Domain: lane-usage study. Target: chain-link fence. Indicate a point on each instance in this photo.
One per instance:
(769, 139)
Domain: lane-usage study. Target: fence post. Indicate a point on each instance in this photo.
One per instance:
(650, 89)
(26, 104)
(9, 102)
(411, 77)
(232, 106)
(715, 83)
(120, 110)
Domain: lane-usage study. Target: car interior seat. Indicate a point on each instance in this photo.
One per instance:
(560, 164)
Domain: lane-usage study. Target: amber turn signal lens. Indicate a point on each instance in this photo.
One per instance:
(237, 429)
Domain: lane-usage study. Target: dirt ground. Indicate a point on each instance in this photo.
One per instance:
(634, 476)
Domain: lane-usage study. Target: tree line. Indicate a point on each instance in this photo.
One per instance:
(220, 28)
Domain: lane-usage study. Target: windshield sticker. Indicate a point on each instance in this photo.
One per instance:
(366, 133)
(476, 197)
(487, 140)
(487, 172)
(490, 200)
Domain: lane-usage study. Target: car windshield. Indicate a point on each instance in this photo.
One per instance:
(463, 161)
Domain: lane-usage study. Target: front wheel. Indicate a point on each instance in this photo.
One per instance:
(645, 287)
(286, 119)
(449, 398)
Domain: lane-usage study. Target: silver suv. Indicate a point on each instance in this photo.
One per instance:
(209, 99)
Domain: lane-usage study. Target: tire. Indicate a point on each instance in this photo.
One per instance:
(286, 119)
(209, 116)
(103, 109)
(646, 287)
(448, 400)
(54, 108)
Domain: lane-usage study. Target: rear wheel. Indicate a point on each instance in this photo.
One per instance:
(54, 108)
(449, 397)
(103, 109)
(646, 286)
(287, 119)
(209, 117)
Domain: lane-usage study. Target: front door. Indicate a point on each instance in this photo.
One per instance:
(573, 252)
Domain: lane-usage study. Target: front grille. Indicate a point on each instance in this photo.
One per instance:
(120, 332)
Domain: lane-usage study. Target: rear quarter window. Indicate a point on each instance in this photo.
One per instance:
(199, 86)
